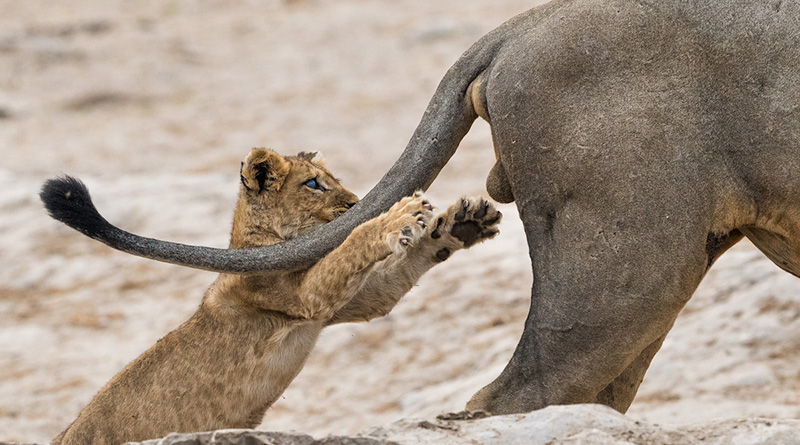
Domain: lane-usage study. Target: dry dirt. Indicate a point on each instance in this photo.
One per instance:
(154, 104)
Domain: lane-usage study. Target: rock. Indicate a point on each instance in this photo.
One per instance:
(574, 424)
(252, 437)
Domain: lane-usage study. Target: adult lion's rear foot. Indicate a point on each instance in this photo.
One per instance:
(470, 221)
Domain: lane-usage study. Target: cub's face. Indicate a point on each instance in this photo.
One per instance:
(291, 194)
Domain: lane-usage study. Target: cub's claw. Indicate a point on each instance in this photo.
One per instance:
(406, 221)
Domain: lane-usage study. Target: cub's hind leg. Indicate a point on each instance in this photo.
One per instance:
(464, 224)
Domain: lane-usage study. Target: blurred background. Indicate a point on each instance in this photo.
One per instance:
(154, 104)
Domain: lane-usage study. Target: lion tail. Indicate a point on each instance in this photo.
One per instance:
(447, 119)
(67, 199)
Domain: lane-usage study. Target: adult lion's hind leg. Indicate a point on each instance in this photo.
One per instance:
(619, 394)
(604, 295)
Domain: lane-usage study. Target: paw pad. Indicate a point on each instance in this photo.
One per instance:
(472, 220)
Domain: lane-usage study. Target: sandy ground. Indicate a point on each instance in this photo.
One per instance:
(154, 104)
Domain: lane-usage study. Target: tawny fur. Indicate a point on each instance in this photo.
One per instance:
(251, 335)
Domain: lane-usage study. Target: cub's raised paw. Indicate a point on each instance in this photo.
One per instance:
(471, 220)
(406, 221)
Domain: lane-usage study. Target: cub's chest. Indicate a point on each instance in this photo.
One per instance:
(281, 355)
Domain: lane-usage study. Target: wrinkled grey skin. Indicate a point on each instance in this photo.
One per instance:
(639, 139)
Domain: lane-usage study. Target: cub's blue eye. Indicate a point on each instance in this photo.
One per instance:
(313, 184)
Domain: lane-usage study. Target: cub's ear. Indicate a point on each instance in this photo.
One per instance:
(314, 157)
(263, 170)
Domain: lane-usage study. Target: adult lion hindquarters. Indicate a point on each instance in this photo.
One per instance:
(640, 140)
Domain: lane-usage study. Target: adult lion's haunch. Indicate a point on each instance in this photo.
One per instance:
(639, 139)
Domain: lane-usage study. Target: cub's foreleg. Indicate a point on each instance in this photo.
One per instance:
(335, 279)
(462, 225)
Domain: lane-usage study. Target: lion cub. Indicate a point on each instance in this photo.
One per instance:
(250, 336)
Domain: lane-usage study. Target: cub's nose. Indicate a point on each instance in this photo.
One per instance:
(351, 204)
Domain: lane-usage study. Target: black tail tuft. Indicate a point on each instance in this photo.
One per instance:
(67, 199)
